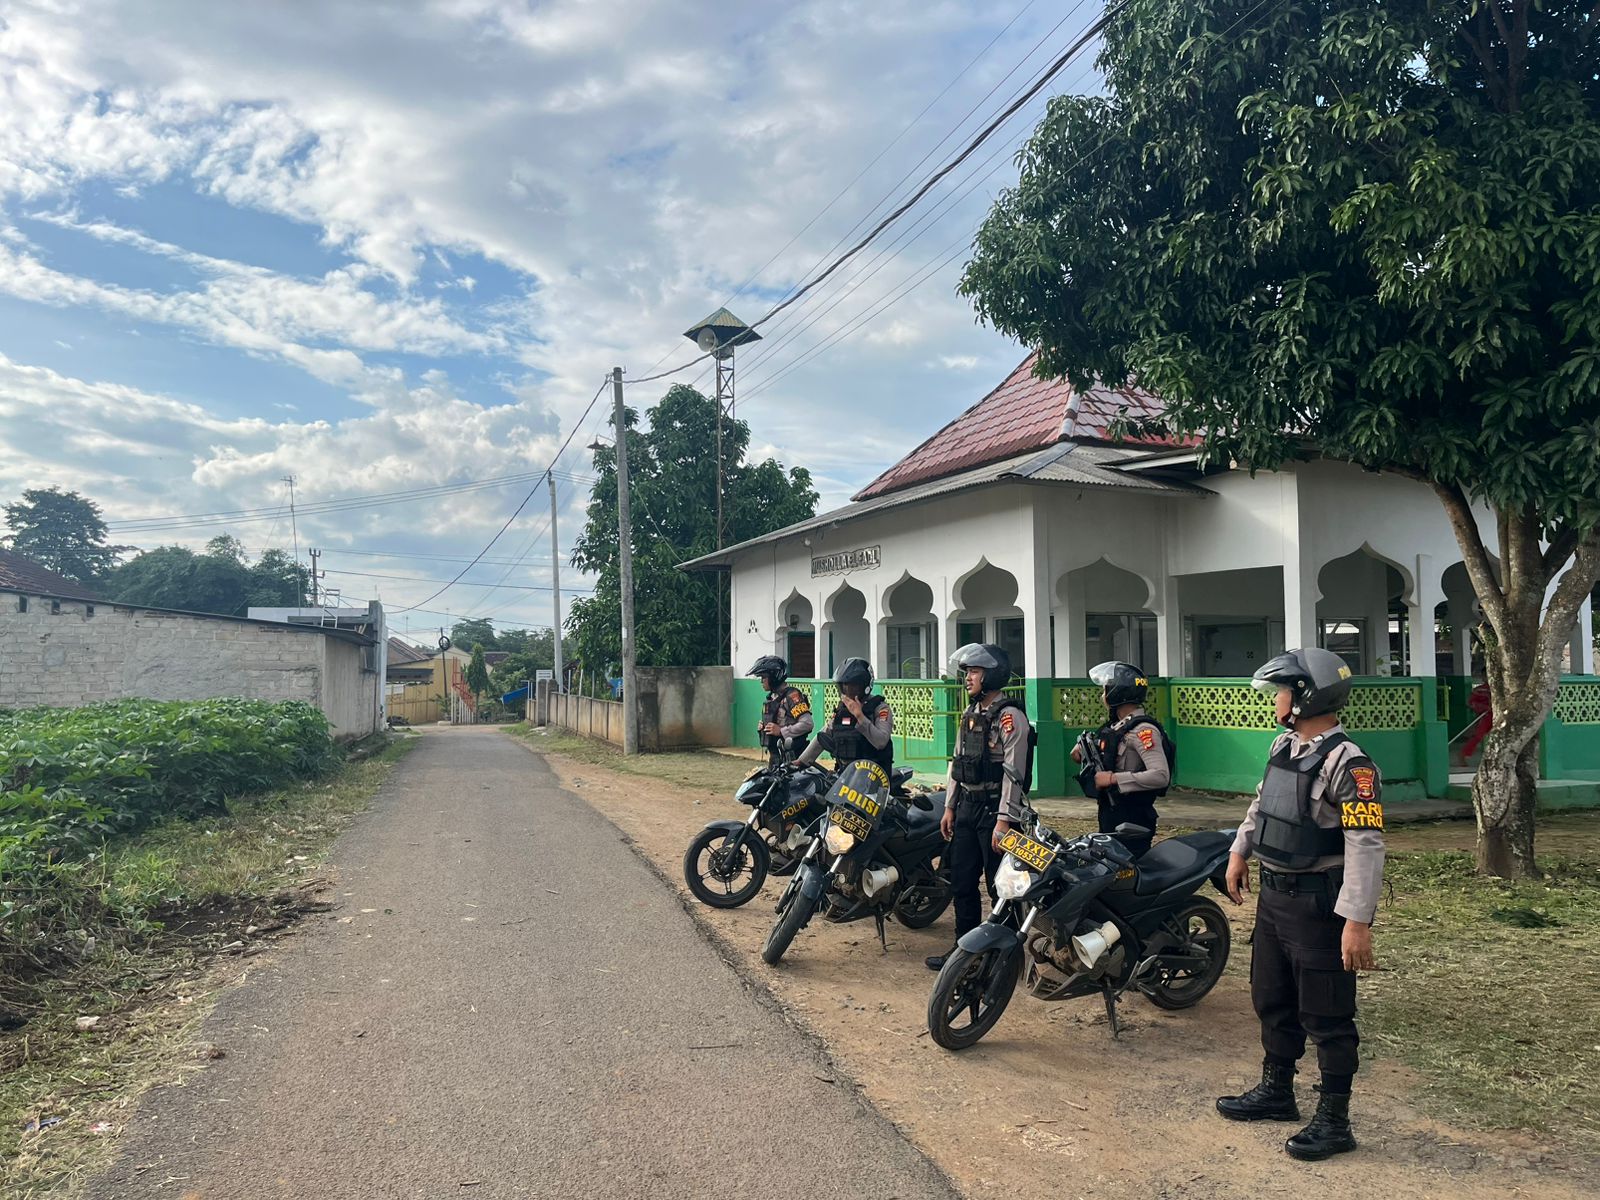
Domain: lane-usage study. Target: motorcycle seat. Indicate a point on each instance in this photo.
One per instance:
(1177, 860)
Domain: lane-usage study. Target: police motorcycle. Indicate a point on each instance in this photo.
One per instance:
(1079, 916)
(878, 852)
(727, 862)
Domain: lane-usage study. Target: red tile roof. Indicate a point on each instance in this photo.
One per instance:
(1023, 413)
(19, 573)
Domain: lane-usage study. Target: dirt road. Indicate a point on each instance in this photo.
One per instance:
(506, 1004)
(1048, 1105)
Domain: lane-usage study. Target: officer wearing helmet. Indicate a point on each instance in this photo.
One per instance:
(786, 714)
(1133, 745)
(987, 789)
(1316, 825)
(861, 725)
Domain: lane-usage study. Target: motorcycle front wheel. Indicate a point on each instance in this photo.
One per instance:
(790, 922)
(722, 873)
(959, 1010)
(1205, 928)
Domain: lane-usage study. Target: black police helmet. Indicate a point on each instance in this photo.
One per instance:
(1123, 682)
(996, 664)
(770, 666)
(857, 671)
(1319, 680)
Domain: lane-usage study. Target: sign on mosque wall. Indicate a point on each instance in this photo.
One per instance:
(863, 559)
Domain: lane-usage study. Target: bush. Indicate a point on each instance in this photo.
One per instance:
(72, 778)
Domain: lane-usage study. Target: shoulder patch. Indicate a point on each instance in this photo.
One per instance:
(1147, 737)
(799, 708)
(1008, 723)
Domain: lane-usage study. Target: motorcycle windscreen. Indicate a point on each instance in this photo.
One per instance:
(857, 797)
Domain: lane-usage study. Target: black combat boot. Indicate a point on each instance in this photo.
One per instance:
(935, 962)
(1270, 1100)
(1329, 1131)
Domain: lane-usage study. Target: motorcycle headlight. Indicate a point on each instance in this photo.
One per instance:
(838, 841)
(1012, 880)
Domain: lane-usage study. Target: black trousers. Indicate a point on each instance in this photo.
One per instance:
(972, 857)
(1298, 981)
(1118, 810)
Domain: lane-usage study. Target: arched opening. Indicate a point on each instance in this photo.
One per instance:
(911, 644)
(1361, 614)
(988, 612)
(798, 641)
(1116, 621)
(1456, 620)
(846, 630)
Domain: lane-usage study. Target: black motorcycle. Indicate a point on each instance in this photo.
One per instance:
(877, 852)
(728, 861)
(1078, 917)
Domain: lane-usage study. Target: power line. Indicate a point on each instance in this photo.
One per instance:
(524, 504)
(521, 587)
(1088, 35)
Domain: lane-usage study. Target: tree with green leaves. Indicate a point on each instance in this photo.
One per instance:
(1362, 231)
(471, 631)
(218, 581)
(477, 674)
(673, 501)
(63, 532)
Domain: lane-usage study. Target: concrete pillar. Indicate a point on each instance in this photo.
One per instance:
(1299, 574)
(1071, 627)
(1583, 640)
(1169, 628)
(877, 635)
(1425, 597)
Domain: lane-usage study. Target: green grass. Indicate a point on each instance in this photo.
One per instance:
(699, 769)
(1492, 990)
(172, 906)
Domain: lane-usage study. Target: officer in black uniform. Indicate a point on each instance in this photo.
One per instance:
(862, 725)
(987, 790)
(786, 715)
(1316, 824)
(1132, 744)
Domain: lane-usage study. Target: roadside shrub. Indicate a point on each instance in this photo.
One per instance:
(70, 779)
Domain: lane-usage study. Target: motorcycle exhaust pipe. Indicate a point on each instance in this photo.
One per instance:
(875, 880)
(1088, 947)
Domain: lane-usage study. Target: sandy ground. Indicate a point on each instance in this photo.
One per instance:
(1048, 1104)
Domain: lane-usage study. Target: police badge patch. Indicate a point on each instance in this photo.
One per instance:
(1366, 781)
(1007, 723)
(1147, 737)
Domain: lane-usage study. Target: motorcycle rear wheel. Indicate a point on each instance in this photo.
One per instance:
(711, 867)
(790, 922)
(1204, 924)
(960, 989)
(922, 908)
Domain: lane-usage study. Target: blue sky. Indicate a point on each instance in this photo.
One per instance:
(382, 253)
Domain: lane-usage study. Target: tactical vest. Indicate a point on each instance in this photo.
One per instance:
(1286, 835)
(975, 765)
(1109, 739)
(849, 744)
(776, 711)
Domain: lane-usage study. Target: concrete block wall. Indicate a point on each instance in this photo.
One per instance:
(66, 653)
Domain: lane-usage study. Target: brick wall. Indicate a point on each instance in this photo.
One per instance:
(84, 653)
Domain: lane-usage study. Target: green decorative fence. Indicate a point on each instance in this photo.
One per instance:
(1569, 746)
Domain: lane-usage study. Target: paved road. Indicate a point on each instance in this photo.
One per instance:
(511, 1012)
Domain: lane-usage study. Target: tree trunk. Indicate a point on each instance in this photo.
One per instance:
(1505, 797)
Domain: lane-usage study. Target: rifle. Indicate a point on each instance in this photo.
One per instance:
(1093, 763)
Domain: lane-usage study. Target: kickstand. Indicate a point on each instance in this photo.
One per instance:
(883, 939)
(1111, 1009)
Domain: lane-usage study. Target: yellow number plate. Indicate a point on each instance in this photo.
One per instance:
(1035, 854)
(852, 823)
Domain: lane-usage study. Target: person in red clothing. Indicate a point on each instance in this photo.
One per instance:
(1479, 701)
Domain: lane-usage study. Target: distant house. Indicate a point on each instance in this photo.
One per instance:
(63, 645)
(424, 686)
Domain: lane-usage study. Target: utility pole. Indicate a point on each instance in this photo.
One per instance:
(555, 578)
(630, 696)
(315, 574)
(293, 525)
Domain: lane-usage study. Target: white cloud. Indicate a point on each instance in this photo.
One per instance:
(958, 362)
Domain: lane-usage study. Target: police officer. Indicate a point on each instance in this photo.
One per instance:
(862, 724)
(1133, 745)
(987, 789)
(786, 715)
(1316, 824)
